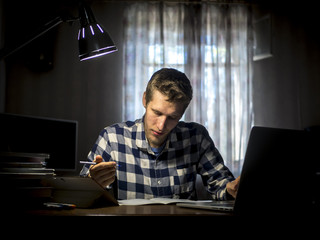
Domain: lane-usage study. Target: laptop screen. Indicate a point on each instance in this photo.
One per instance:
(277, 173)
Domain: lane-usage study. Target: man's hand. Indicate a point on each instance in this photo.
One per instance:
(103, 172)
(232, 187)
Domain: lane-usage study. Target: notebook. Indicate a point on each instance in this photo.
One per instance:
(83, 192)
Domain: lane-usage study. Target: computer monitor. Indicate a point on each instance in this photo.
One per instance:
(29, 134)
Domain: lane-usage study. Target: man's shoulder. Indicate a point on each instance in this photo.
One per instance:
(187, 133)
(190, 126)
(119, 128)
(190, 129)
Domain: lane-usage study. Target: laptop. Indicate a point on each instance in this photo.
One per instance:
(224, 206)
(276, 176)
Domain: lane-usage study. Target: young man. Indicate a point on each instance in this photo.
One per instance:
(158, 155)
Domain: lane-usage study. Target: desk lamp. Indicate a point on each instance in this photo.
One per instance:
(93, 40)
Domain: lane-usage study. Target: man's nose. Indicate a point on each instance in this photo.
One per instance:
(161, 124)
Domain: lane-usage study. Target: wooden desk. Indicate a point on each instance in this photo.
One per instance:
(146, 210)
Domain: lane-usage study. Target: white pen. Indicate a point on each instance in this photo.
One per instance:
(87, 162)
(92, 163)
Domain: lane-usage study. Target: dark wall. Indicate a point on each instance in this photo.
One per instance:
(286, 86)
(89, 92)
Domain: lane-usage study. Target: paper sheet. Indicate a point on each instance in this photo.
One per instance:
(137, 202)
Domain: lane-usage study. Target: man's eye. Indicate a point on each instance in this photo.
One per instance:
(173, 118)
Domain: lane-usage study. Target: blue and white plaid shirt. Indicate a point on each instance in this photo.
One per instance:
(142, 174)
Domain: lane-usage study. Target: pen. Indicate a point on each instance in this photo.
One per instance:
(87, 162)
(92, 163)
(59, 205)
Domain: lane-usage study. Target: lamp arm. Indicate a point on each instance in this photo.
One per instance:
(5, 52)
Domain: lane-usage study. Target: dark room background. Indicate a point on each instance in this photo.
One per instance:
(285, 86)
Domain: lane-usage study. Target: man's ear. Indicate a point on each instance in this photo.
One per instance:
(144, 102)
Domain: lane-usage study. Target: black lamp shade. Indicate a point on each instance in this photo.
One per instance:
(93, 40)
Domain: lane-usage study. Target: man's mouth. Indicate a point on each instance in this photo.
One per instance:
(157, 133)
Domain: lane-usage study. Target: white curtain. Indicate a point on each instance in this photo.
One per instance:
(212, 44)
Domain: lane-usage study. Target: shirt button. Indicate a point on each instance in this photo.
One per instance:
(159, 182)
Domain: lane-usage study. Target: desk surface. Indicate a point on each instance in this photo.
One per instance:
(146, 210)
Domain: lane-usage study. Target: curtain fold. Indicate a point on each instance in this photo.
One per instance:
(212, 44)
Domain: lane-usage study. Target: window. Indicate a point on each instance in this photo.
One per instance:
(212, 45)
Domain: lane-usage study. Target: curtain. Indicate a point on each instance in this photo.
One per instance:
(212, 44)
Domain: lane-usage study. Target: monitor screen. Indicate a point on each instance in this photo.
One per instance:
(28, 134)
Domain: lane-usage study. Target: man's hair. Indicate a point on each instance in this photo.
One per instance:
(171, 83)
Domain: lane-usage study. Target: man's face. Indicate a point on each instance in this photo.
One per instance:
(160, 118)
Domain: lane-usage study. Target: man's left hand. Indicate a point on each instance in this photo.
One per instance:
(232, 187)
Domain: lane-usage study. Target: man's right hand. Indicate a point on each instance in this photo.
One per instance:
(103, 172)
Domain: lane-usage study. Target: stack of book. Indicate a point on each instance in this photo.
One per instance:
(21, 176)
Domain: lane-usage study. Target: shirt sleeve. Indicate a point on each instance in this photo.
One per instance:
(215, 175)
(102, 148)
